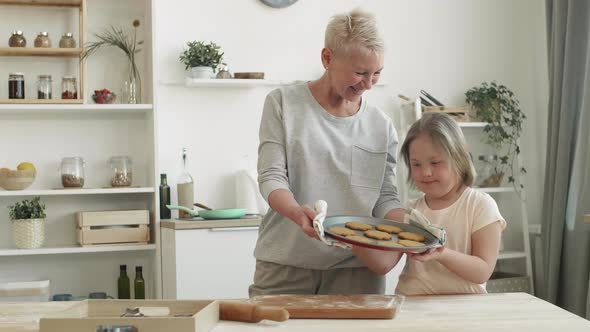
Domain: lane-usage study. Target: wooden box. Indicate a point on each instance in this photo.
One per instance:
(113, 227)
(86, 316)
(459, 113)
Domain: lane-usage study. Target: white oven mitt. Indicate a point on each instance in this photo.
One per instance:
(321, 208)
(415, 218)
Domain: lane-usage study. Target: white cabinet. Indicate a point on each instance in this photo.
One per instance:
(208, 263)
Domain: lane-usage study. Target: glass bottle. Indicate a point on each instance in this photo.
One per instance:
(123, 283)
(17, 39)
(44, 87)
(72, 172)
(67, 41)
(43, 40)
(69, 88)
(139, 284)
(164, 197)
(122, 167)
(184, 188)
(16, 86)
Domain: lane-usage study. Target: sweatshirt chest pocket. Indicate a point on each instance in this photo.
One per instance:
(368, 167)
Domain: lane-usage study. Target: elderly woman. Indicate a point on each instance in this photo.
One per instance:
(323, 140)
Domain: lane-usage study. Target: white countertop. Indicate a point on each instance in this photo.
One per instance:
(200, 223)
(481, 313)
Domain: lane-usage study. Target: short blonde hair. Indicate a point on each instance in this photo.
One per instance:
(356, 30)
(445, 132)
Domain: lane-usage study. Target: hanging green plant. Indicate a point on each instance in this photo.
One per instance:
(496, 105)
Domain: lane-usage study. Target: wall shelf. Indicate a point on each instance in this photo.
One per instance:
(74, 250)
(41, 51)
(59, 102)
(43, 3)
(232, 83)
(472, 124)
(72, 192)
(496, 189)
(74, 108)
(511, 254)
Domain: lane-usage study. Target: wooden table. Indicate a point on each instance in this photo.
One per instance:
(490, 312)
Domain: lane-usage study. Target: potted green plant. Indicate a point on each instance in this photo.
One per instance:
(202, 59)
(496, 105)
(28, 223)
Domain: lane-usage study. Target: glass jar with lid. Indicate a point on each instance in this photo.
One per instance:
(72, 172)
(44, 87)
(69, 88)
(484, 167)
(122, 171)
(43, 40)
(16, 86)
(67, 41)
(17, 39)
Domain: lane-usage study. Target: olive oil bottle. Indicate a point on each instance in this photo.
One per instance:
(123, 283)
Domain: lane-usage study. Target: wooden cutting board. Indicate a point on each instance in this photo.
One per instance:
(334, 306)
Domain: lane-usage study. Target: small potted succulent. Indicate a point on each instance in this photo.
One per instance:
(28, 223)
(202, 59)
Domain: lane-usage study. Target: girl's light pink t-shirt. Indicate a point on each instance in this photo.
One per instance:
(471, 212)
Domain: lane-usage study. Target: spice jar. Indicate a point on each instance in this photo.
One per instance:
(67, 41)
(16, 86)
(72, 172)
(43, 40)
(69, 88)
(17, 39)
(122, 175)
(44, 88)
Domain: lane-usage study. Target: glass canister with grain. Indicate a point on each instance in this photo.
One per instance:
(122, 168)
(72, 172)
(17, 39)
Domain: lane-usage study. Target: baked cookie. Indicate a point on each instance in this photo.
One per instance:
(378, 235)
(359, 238)
(411, 236)
(358, 226)
(410, 243)
(392, 244)
(342, 231)
(388, 228)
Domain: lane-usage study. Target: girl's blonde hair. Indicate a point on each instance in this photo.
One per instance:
(445, 132)
(356, 30)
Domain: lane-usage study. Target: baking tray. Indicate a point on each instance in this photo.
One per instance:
(360, 306)
(430, 242)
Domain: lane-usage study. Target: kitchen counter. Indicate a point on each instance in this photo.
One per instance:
(200, 223)
(456, 313)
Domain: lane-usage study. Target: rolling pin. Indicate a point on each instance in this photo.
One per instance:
(251, 313)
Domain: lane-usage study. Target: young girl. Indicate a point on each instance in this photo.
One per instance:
(436, 155)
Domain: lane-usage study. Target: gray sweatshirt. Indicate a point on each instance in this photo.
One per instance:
(347, 161)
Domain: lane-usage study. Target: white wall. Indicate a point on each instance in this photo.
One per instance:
(444, 47)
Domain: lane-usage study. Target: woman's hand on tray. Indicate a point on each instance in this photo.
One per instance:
(303, 216)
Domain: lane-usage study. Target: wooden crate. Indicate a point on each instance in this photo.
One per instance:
(86, 316)
(113, 227)
(459, 113)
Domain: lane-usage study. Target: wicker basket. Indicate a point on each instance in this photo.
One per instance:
(28, 233)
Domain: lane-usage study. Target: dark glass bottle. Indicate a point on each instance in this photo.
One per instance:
(123, 283)
(164, 197)
(139, 284)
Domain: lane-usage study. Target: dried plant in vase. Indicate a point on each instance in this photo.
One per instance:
(127, 42)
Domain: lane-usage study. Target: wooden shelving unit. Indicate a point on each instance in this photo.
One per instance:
(51, 52)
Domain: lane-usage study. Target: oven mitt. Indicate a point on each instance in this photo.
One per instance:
(321, 209)
(415, 218)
